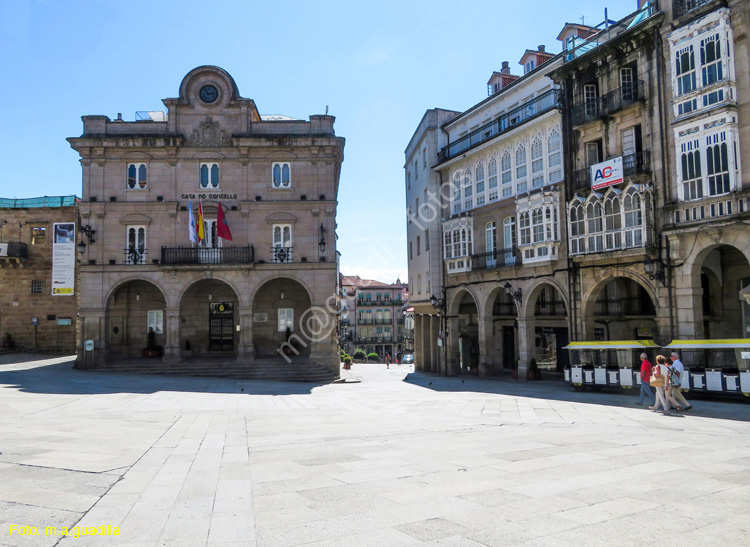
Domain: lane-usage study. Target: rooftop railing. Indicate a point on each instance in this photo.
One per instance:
(681, 7)
(510, 120)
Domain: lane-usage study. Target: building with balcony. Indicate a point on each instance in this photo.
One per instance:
(502, 236)
(705, 212)
(267, 187)
(39, 273)
(611, 79)
(374, 316)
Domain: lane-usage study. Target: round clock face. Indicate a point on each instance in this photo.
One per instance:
(208, 94)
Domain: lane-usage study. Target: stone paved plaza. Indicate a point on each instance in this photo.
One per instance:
(398, 459)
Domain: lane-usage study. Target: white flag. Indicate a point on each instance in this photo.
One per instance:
(191, 221)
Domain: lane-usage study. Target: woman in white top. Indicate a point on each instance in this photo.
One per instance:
(659, 380)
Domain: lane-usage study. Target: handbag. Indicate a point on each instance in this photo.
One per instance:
(657, 379)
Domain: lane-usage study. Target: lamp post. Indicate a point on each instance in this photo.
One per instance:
(89, 232)
(322, 243)
(514, 294)
(655, 270)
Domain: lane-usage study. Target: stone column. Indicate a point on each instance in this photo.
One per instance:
(172, 349)
(321, 332)
(485, 345)
(430, 361)
(419, 354)
(453, 366)
(246, 349)
(525, 346)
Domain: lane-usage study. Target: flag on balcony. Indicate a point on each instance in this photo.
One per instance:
(201, 232)
(191, 224)
(222, 228)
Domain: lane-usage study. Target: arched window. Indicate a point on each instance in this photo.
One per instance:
(509, 239)
(137, 176)
(468, 190)
(506, 175)
(209, 175)
(457, 193)
(492, 172)
(612, 221)
(690, 160)
(490, 243)
(281, 175)
(717, 164)
(537, 163)
(479, 178)
(554, 157)
(633, 218)
(594, 224)
(525, 228)
(448, 244)
(537, 225)
(521, 169)
(577, 229)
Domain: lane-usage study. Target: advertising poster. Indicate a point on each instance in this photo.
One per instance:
(64, 259)
(606, 173)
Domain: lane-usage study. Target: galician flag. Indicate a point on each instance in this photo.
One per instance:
(191, 221)
(222, 228)
(201, 233)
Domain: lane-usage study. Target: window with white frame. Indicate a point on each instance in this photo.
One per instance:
(537, 163)
(209, 175)
(690, 160)
(521, 169)
(490, 243)
(594, 227)
(633, 219)
(286, 319)
(506, 175)
(612, 221)
(509, 239)
(458, 242)
(492, 172)
(479, 179)
(457, 192)
(537, 225)
(468, 189)
(155, 320)
(135, 245)
(281, 235)
(577, 229)
(137, 176)
(554, 157)
(448, 244)
(685, 70)
(524, 224)
(711, 69)
(281, 175)
(717, 164)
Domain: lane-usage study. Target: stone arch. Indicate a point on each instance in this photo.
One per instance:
(208, 156)
(182, 289)
(274, 296)
(211, 71)
(133, 307)
(209, 315)
(695, 260)
(589, 298)
(275, 275)
(529, 300)
(455, 302)
(120, 283)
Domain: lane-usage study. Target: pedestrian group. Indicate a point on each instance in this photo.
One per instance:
(666, 376)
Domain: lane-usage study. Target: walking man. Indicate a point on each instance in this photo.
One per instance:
(675, 392)
(646, 392)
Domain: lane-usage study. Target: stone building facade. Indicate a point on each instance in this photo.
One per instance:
(373, 315)
(272, 180)
(26, 275)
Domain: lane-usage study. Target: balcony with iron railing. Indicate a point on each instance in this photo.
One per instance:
(638, 163)
(209, 255)
(499, 258)
(281, 255)
(606, 105)
(384, 303)
(510, 120)
(13, 250)
(681, 7)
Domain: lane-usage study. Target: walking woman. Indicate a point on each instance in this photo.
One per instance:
(658, 380)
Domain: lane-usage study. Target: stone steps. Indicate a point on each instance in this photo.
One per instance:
(304, 371)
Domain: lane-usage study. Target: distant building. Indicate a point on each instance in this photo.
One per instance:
(272, 181)
(373, 316)
(39, 286)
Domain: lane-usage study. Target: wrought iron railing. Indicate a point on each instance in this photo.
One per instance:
(280, 255)
(496, 259)
(135, 255)
(608, 104)
(364, 302)
(681, 7)
(207, 255)
(632, 164)
(520, 115)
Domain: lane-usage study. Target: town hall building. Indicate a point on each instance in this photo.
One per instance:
(260, 285)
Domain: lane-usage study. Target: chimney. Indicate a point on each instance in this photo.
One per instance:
(506, 68)
(541, 48)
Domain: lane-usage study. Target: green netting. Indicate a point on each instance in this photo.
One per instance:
(45, 201)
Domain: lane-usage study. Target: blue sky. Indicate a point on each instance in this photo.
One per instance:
(378, 66)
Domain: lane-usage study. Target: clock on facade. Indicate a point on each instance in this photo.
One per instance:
(208, 94)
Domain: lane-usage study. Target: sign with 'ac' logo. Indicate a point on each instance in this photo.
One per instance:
(606, 173)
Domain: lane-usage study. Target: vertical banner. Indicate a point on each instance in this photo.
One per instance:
(64, 259)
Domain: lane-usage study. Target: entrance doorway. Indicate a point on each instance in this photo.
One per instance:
(509, 347)
(221, 326)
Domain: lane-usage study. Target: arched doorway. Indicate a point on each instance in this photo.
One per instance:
(278, 305)
(468, 332)
(132, 309)
(550, 328)
(209, 317)
(622, 309)
(504, 326)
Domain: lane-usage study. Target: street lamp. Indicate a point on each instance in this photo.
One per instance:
(89, 232)
(322, 242)
(437, 303)
(654, 269)
(516, 295)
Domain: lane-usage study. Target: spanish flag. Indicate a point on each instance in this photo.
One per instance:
(201, 232)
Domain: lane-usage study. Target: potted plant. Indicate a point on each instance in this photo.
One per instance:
(152, 350)
(188, 351)
(359, 354)
(347, 362)
(8, 341)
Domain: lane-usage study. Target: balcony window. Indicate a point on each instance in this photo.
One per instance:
(506, 175)
(717, 164)
(577, 229)
(135, 245)
(711, 69)
(537, 225)
(685, 70)
(525, 228)
(537, 163)
(554, 157)
(509, 239)
(282, 175)
(490, 243)
(594, 225)
(479, 179)
(521, 169)
(281, 234)
(492, 172)
(209, 176)
(590, 102)
(612, 221)
(633, 219)
(692, 182)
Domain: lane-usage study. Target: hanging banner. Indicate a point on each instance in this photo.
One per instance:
(606, 173)
(64, 259)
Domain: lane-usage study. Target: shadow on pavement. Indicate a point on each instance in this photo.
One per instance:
(707, 406)
(59, 377)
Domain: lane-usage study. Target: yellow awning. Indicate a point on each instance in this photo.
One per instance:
(613, 344)
(710, 344)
